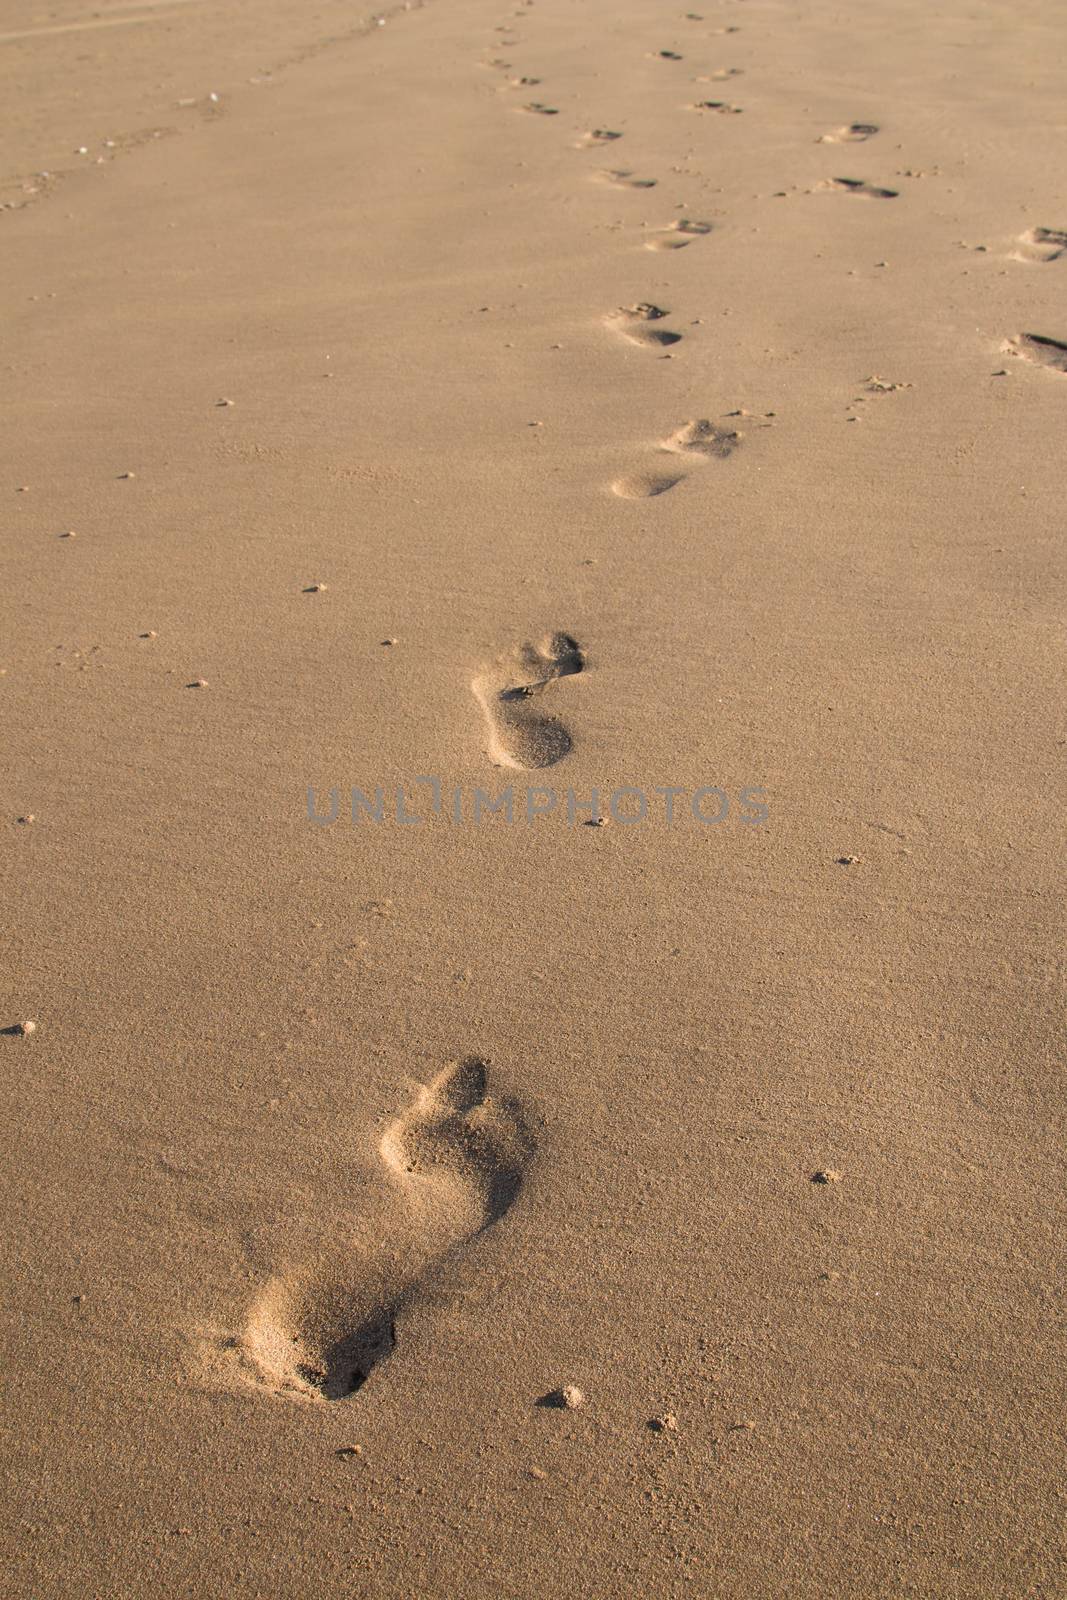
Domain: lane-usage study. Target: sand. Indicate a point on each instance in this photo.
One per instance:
(504, 1190)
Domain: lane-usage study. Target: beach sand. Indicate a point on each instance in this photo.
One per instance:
(556, 398)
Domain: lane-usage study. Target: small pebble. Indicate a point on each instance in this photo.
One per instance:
(127, 474)
(826, 1175)
(70, 534)
(26, 1028)
(151, 634)
(27, 819)
(197, 683)
(224, 402)
(847, 861)
(315, 588)
(390, 642)
(350, 1450)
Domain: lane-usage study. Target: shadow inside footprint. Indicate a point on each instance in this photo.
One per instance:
(521, 733)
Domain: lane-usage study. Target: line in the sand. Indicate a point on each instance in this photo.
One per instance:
(97, 22)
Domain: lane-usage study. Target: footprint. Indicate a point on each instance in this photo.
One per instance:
(521, 733)
(719, 106)
(851, 133)
(1039, 349)
(703, 438)
(868, 191)
(457, 1157)
(626, 180)
(720, 74)
(633, 322)
(597, 136)
(1042, 244)
(644, 485)
(540, 110)
(666, 55)
(524, 83)
(678, 234)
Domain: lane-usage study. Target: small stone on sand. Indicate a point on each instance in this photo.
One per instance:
(390, 642)
(315, 588)
(26, 1028)
(568, 1398)
(197, 683)
(27, 819)
(826, 1175)
(667, 1422)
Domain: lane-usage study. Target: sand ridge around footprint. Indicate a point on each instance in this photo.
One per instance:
(457, 1158)
(525, 731)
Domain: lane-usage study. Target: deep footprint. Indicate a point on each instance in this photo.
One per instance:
(636, 323)
(522, 733)
(459, 1155)
(1041, 350)
(1042, 244)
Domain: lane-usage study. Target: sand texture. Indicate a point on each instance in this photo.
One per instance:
(617, 1151)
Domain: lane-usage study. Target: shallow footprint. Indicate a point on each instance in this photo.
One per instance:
(858, 186)
(851, 133)
(1041, 350)
(678, 234)
(458, 1156)
(645, 485)
(703, 438)
(595, 137)
(539, 110)
(522, 733)
(721, 107)
(635, 324)
(627, 180)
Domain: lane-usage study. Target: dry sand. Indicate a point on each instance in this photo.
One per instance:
(619, 396)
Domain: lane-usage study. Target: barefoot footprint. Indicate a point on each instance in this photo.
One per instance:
(521, 732)
(457, 1156)
(636, 323)
(677, 235)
